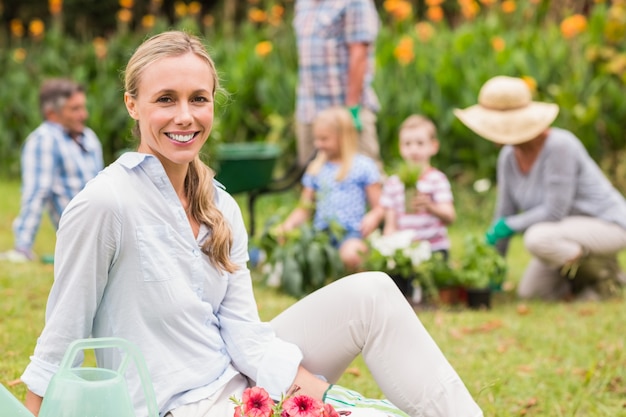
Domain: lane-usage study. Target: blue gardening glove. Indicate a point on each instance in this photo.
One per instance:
(342, 399)
(354, 111)
(498, 230)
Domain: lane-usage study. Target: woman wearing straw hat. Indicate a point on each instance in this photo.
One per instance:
(552, 191)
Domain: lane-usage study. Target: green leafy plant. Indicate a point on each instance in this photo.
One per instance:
(409, 174)
(399, 255)
(481, 265)
(442, 273)
(303, 260)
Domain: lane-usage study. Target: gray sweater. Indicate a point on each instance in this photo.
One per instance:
(563, 181)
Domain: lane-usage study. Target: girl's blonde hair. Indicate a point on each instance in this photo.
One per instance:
(199, 186)
(340, 121)
(418, 121)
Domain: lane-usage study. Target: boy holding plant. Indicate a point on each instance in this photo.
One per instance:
(419, 197)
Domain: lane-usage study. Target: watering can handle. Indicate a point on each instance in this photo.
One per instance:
(130, 349)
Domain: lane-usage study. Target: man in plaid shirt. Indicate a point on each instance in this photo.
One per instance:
(58, 158)
(335, 40)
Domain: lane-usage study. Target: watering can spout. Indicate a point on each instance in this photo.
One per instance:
(11, 406)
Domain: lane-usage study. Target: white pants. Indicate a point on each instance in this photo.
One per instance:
(366, 313)
(553, 244)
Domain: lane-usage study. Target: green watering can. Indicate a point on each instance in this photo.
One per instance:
(85, 391)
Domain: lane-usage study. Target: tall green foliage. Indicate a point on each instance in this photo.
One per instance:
(421, 67)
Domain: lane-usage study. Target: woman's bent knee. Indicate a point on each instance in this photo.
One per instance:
(538, 238)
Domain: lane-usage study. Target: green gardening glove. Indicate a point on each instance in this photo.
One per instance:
(342, 399)
(498, 230)
(354, 111)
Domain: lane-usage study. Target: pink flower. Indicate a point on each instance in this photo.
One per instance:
(256, 403)
(303, 406)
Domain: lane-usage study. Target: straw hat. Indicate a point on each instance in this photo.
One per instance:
(505, 112)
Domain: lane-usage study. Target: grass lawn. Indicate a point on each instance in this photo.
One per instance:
(519, 358)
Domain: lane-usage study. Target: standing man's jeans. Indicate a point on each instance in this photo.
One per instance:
(555, 244)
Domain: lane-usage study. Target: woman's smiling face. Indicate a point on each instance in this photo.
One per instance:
(174, 108)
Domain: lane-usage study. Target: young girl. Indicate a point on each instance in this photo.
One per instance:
(338, 185)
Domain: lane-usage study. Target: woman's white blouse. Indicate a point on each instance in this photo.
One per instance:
(128, 265)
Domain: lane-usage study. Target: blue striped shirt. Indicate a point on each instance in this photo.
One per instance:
(324, 31)
(55, 168)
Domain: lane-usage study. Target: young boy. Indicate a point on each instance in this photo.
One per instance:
(432, 209)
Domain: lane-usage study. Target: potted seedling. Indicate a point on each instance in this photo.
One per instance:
(301, 261)
(482, 269)
(403, 258)
(409, 174)
(446, 279)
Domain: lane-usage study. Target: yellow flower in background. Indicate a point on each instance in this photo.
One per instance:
(508, 6)
(124, 15)
(277, 11)
(36, 28)
(147, 22)
(615, 25)
(530, 82)
(498, 44)
(257, 15)
(180, 9)
(434, 14)
(469, 8)
(425, 31)
(100, 47)
(389, 5)
(573, 25)
(431, 3)
(275, 16)
(399, 9)
(617, 65)
(127, 4)
(194, 8)
(17, 28)
(488, 2)
(55, 6)
(402, 11)
(208, 20)
(404, 50)
(19, 55)
(263, 48)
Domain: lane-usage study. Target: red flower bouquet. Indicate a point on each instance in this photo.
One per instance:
(256, 402)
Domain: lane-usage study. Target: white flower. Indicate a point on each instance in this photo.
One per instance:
(482, 185)
(388, 245)
(420, 253)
